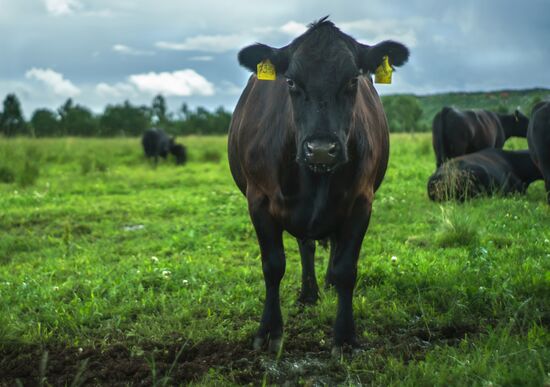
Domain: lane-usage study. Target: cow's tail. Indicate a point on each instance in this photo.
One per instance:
(438, 135)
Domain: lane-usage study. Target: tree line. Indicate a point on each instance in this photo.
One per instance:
(126, 119)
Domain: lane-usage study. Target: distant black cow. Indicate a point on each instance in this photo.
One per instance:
(538, 138)
(456, 133)
(157, 143)
(308, 150)
(487, 172)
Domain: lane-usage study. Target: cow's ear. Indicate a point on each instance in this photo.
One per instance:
(370, 57)
(250, 56)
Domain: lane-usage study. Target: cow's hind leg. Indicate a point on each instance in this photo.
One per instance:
(270, 239)
(329, 281)
(309, 293)
(347, 245)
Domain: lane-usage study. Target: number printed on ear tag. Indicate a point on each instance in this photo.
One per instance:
(266, 71)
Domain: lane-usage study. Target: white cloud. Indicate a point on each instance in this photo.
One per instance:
(293, 28)
(235, 41)
(207, 43)
(61, 7)
(54, 80)
(372, 31)
(229, 88)
(118, 90)
(178, 83)
(123, 49)
(203, 58)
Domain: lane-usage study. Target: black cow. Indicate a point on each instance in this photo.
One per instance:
(308, 151)
(487, 172)
(157, 143)
(456, 133)
(538, 138)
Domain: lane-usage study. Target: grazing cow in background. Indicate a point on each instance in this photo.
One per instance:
(456, 133)
(487, 172)
(309, 150)
(538, 138)
(157, 143)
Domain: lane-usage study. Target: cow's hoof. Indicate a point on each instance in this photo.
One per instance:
(352, 346)
(258, 343)
(337, 352)
(308, 299)
(273, 345)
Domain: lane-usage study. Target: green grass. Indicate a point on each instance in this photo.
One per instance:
(98, 250)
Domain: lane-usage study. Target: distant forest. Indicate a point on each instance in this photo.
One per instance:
(406, 113)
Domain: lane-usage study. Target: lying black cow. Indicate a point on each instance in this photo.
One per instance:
(487, 172)
(308, 150)
(157, 143)
(538, 138)
(456, 133)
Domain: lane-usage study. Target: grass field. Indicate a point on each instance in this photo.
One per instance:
(112, 272)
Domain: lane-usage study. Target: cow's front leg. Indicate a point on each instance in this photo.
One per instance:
(269, 234)
(343, 272)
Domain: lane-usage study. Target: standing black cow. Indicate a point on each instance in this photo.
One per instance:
(309, 150)
(487, 172)
(456, 133)
(538, 138)
(157, 143)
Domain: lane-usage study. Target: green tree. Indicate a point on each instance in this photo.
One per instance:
(45, 123)
(12, 122)
(403, 113)
(124, 119)
(158, 109)
(77, 120)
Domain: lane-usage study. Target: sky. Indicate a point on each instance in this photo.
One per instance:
(101, 52)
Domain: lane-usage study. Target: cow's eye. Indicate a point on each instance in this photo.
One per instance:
(291, 84)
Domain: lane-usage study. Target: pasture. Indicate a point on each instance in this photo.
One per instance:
(112, 272)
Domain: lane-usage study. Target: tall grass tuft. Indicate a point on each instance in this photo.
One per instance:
(456, 229)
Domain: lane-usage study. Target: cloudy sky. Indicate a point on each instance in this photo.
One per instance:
(100, 51)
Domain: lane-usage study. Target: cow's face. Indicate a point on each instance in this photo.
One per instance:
(322, 69)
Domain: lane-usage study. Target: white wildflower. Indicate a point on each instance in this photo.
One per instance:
(154, 259)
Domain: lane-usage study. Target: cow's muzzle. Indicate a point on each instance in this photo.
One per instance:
(322, 156)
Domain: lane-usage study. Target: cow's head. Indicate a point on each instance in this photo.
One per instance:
(179, 152)
(321, 69)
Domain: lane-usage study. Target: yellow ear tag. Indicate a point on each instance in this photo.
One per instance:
(383, 72)
(266, 70)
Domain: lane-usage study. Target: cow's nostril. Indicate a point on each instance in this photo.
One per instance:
(332, 149)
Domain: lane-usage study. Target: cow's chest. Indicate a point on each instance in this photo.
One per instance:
(312, 212)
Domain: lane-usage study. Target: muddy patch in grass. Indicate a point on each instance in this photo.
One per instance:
(302, 361)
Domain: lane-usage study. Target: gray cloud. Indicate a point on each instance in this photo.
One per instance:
(98, 45)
